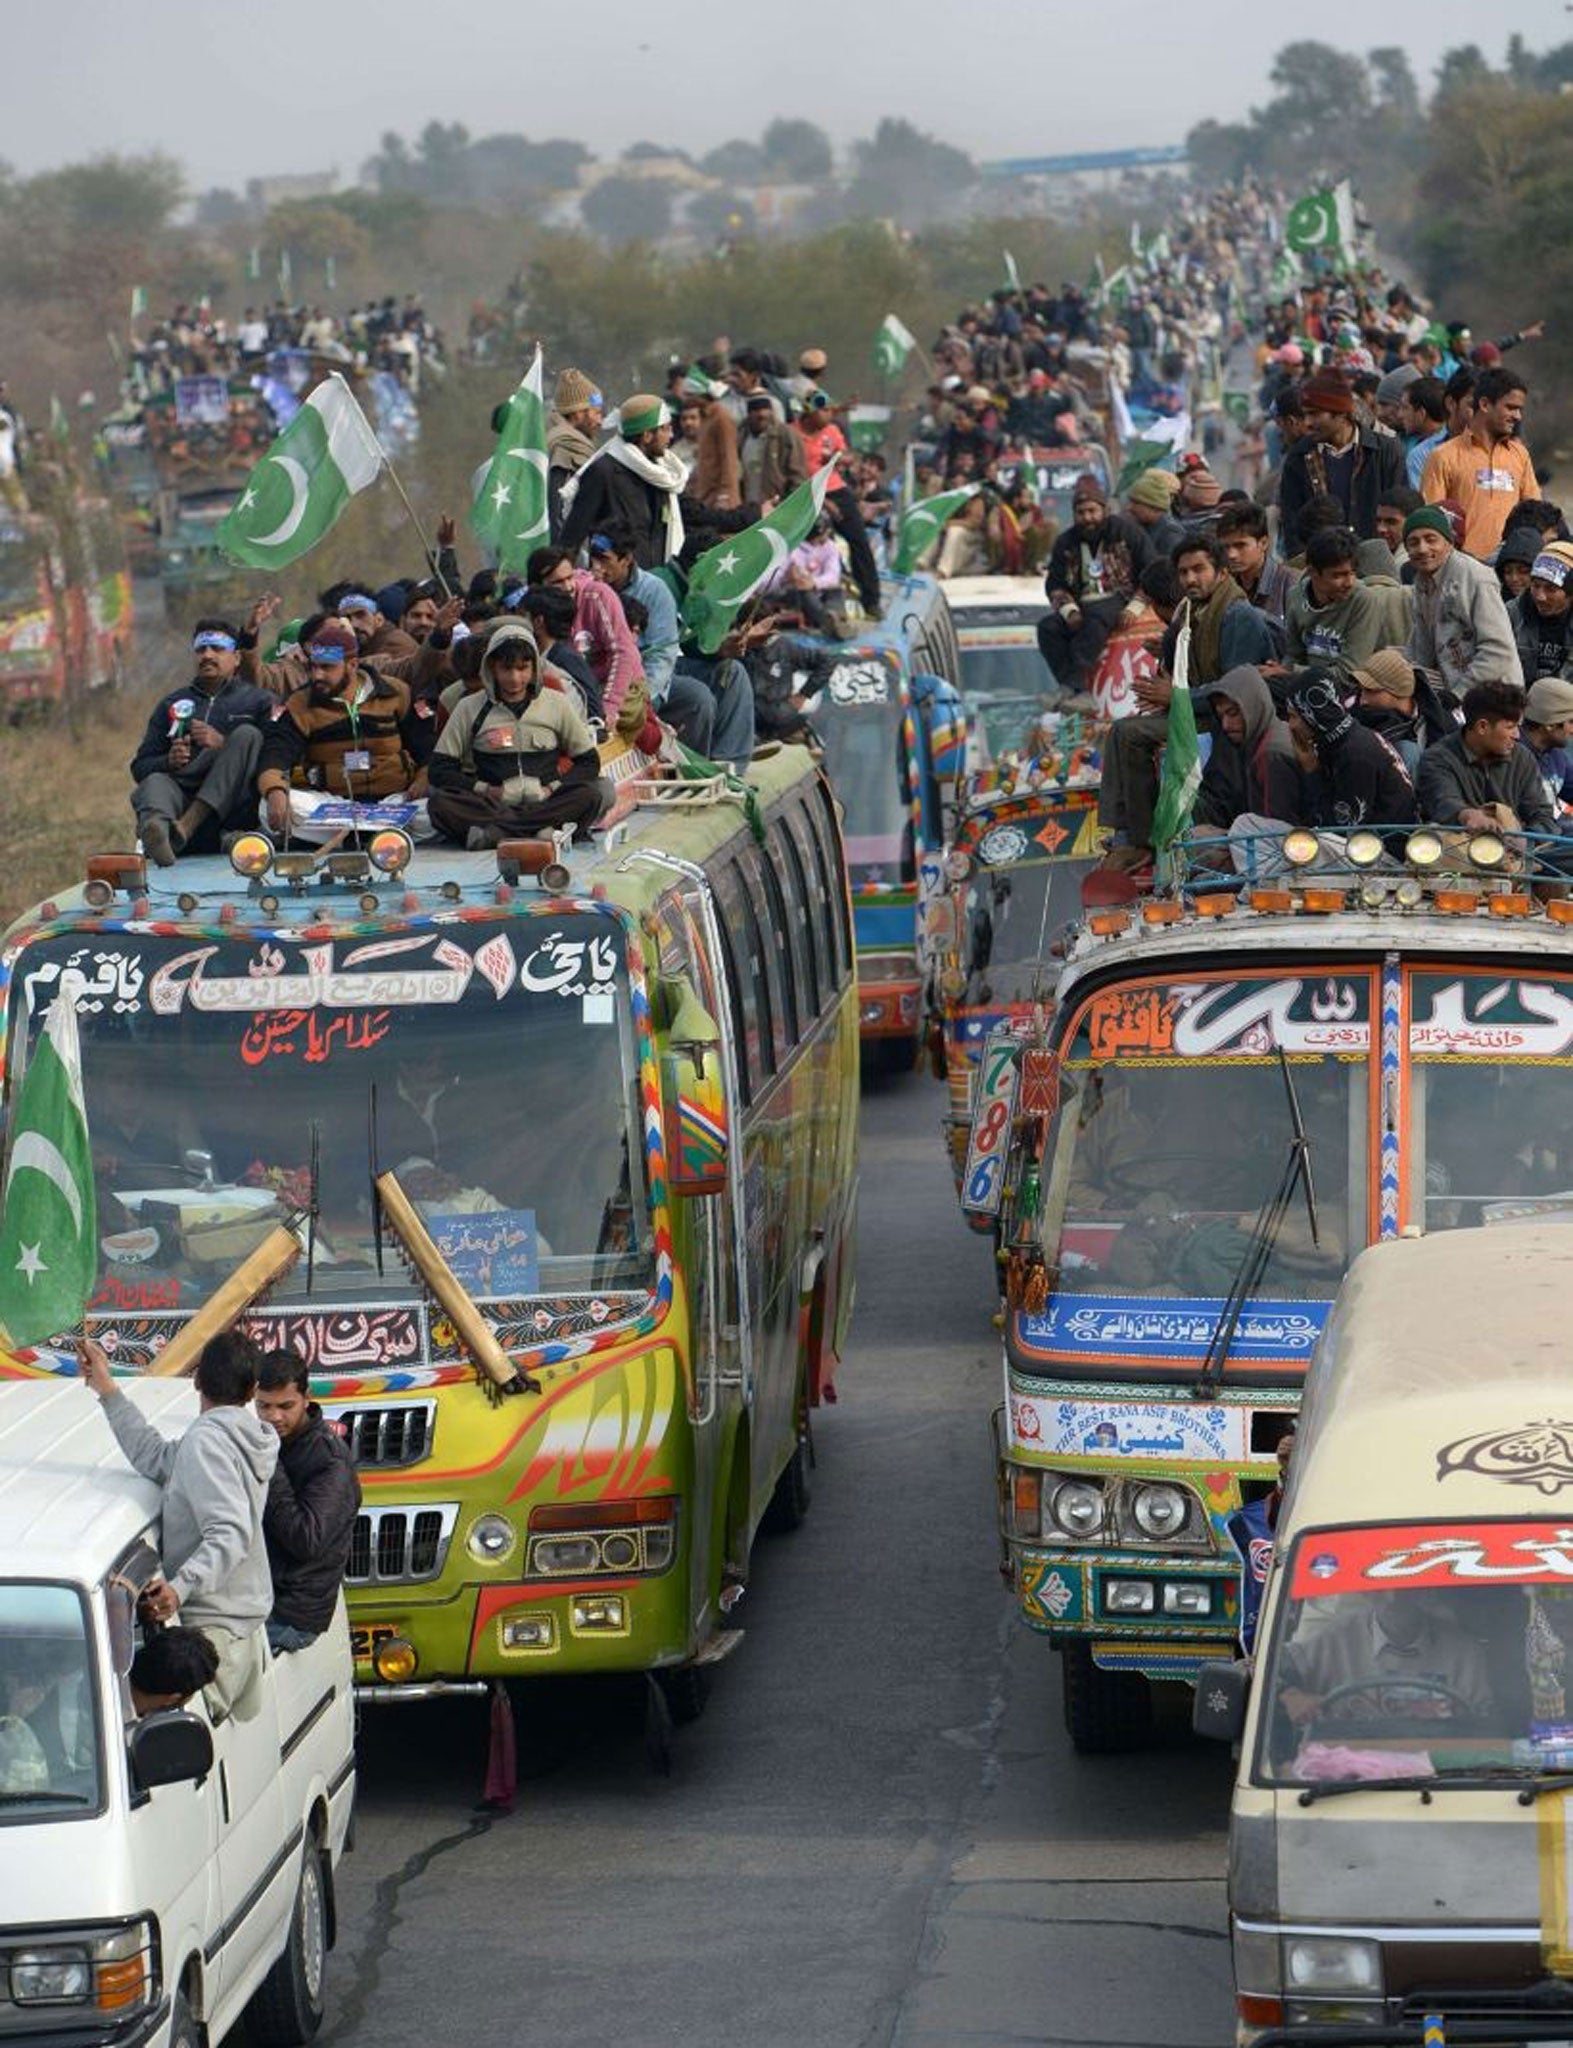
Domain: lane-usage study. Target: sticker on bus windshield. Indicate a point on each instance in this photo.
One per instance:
(859, 682)
(1115, 1431)
(1416, 1555)
(1208, 1019)
(1484, 1015)
(495, 1256)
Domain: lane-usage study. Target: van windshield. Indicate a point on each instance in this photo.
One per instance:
(49, 1745)
(1421, 1651)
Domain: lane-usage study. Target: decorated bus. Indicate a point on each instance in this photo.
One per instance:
(890, 723)
(544, 1159)
(1239, 1088)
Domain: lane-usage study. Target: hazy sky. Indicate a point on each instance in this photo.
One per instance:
(304, 84)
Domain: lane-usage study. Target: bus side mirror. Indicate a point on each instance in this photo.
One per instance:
(170, 1749)
(695, 1120)
(944, 725)
(1222, 1691)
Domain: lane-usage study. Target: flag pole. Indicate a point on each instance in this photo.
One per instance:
(426, 545)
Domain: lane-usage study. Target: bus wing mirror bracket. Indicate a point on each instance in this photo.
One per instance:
(1222, 1692)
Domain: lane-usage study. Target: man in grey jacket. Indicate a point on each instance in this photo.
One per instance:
(1480, 778)
(1461, 633)
(214, 1482)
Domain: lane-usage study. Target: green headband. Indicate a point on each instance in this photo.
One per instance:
(634, 424)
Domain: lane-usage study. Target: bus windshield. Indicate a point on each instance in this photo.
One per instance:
(49, 1746)
(506, 1101)
(1012, 913)
(1174, 1128)
(1004, 684)
(1421, 1651)
(865, 758)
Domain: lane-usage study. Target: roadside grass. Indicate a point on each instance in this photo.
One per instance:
(65, 793)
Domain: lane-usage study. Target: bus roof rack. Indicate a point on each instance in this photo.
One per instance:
(676, 795)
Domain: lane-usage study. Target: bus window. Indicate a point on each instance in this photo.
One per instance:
(821, 912)
(764, 892)
(747, 957)
(807, 972)
(827, 848)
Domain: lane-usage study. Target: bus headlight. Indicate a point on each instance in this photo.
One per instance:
(1424, 850)
(251, 855)
(1300, 848)
(1363, 849)
(390, 851)
(490, 1539)
(1076, 1506)
(1159, 1511)
(1486, 850)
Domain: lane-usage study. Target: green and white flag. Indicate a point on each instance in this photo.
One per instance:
(726, 577)
(1321, 220)
(254, 263)
(1182, 760)
(922, 523)
(1097, 283)
(892, 345)
(510, 513)
(1237, 404)
(139, 302)
(1012, 274)
(1139, 457)
(298, 491)
(330, 272)
(1286, 274)
(286, 271)
(1158, 250)
(1117, 287)
(1136, 240)
(49, 1221)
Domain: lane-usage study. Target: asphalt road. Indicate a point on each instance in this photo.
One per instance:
(878, 1836)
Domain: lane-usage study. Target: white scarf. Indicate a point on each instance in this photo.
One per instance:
(668, 474)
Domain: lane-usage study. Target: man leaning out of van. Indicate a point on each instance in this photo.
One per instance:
(214, 1483)
(313, 1499)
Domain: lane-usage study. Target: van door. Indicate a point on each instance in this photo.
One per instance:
(172, 1832)
(259, 1846)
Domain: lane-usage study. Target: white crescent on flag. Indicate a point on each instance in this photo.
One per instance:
(300, 487)
(33, 1151)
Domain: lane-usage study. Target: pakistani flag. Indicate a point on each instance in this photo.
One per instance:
(725, 578)
(1286, 274)
(1140, 456)
(139, 302)
(509, 514)
(1182, 758)
(892, 345)
(299, 490)
(1097, 283)
(1012, 274)
(49, 1221)
(1322, 220)
(1117, 288)
(922, 523)
(1237, 404)
(254, 263)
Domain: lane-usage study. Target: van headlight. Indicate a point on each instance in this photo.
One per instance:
(1076, 1506)
(1332, 1965)
(50, 1976)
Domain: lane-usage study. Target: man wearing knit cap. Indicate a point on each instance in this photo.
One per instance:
(1389, 702)
(1390, 392)
(1461, 634)
(1487, 468)
(1541, 616)
(1546, 731)
(1196, 501)
(1091, 580)
(578, 410)
(1337, 457)
(812, 364)
(1149, 502)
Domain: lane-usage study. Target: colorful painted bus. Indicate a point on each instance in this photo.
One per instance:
(544, 1160)
(1237, 1091)
(889, 721)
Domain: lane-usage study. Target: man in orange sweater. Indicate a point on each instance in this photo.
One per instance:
(1486, 469)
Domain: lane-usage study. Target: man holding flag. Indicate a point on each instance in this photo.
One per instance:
(510, 514)
(724, 579)
(49, 1214)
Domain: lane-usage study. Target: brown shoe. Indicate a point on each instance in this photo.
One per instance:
(1125, 860)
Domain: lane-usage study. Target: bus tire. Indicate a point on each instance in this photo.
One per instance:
(794, 1489)
(1106, 1712)
(686, 1689)
(287, 2007)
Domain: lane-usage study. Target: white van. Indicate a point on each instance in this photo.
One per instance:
(158, 1877)
(1403, 1814)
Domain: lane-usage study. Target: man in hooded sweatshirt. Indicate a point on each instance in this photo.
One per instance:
(1350, 775)
(1252, 767)
(215, 1483)
(515, 758)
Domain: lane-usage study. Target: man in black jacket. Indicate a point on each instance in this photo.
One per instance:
(635, 480)
(1091, 579)
(196, 768)
(1349, 775)
(1338, 457)
(311, 1507)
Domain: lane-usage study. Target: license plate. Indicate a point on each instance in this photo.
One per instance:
(364, 1641)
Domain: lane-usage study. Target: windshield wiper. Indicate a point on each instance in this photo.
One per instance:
(1334, 1788)
(1497, 1777)
(1261, 1242)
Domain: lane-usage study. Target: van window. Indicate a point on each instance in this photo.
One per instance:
(1416, 1651)
(49, 1737)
